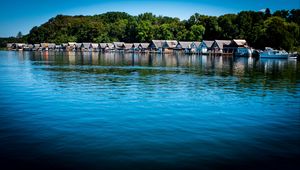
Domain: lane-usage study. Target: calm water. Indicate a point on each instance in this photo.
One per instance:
(116, 111)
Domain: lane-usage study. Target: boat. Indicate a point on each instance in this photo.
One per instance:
(271, 53)
(294, 55)
(243, 52)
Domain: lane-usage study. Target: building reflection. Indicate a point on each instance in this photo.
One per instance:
(71, 56)
(204, 64)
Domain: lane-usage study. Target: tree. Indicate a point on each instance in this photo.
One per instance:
(259, 28)
(228, 26)
(282, 13)
(145, 31)
(277, 33)
(196, 33)
(267, 13)
(19, 35)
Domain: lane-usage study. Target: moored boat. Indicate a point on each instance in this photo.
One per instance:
(271, 53)
(294, 55)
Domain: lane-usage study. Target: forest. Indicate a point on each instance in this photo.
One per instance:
(280, 29)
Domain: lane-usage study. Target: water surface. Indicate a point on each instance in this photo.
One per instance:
(148, 111)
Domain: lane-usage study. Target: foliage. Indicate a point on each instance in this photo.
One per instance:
(260, 29)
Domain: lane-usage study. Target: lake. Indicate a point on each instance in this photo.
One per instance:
(67, 110)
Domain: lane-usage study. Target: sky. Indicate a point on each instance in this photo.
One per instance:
(21, 16)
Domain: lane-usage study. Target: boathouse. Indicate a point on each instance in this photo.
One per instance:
(169, 45)
(78, 46)
(136, 47)
(51, 46)
(194, 46)
(85, 46)
(118, 45)
(9, 46)
(64, 46)
(156, 45)
(218, 46)
(28, 47)
(110, 46)
(238, 47)
(144, 47)
(71, 46)
(103, 46)
(58, 47)
(44, 46)
(184, 45)
(205, 46)
(128, 47)
(36, 47)
(94, 46)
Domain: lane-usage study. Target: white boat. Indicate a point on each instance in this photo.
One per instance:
(271, 53)
(294, 55)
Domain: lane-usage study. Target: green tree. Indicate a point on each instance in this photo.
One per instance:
(277, 33)
(145, 31)
(19, 35)
(196, 33)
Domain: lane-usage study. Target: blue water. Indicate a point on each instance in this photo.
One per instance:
(125, 111)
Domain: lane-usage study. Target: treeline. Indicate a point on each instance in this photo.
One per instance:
(280, 29)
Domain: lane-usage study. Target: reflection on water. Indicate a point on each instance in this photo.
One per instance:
(210, 65)
(94, 110)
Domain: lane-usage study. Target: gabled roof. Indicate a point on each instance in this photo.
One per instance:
(51, 45)
(102, 45)
(43, 45)
(208, 43)
(240, 42)
(128, 46)
(64, 44)
(221, 43)
(197, 43)
(158, 43)
(110, 45)
(30, 46)
(20, 45)
(144, 45)
(184, 44)
(78, 45)
(170, 43)
(37, 45)
(118, 44)
(85, 45)
(71, 43)
(136, 45)
(94, 45)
